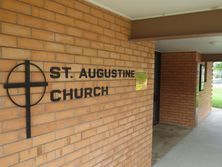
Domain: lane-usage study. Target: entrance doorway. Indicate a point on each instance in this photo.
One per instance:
(156, 98)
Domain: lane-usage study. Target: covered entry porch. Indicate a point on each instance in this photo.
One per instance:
(188, 131)
(201, 147)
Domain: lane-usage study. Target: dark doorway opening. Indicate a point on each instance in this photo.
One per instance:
(156, 98)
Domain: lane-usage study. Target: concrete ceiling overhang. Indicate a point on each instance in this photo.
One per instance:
(203, 45)
(175, 25)
(142, 9)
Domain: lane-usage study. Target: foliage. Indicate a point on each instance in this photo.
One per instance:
(217, 98)
(218, 66)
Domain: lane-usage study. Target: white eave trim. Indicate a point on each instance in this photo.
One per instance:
(109, 9)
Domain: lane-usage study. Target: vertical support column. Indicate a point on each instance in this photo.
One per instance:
(27, 98)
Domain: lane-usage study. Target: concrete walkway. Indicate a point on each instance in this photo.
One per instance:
(165, 137)
(200, 148)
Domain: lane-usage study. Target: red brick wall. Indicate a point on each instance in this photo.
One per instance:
(178, 88)
(205, 96)
(115, 130)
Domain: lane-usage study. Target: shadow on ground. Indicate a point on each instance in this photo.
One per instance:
(164, 138)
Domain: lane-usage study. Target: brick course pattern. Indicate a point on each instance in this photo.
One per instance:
(115, 130)
(205, 96)
(178, 88)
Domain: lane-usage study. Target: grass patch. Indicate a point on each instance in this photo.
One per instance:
(217, 98)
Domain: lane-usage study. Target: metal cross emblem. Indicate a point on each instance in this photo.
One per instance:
(27, 85)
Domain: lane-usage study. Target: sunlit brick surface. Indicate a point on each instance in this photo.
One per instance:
(114, 130)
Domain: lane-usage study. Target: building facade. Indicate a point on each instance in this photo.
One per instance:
(68, 94)
(110, 130)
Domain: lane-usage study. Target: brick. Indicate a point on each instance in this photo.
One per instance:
(66, 58)
(54, 27)
(7, 16)
(109, 18)
(64, 19)
(13, 53)
(90, 19)
(96, 12)
(64, 39)
(46, 138)
(82, 25)
(74, 155)
(82, 59)
(115, 42)
(97, 29)
(74, 31)
(104, 54)
(13, 124)
(43, 159)
(115, 28)
(30, 43)
(82, 7)
(66, 3)
(64, 132)
(114, 56)
(73, 49)
(16, 6)
(55, 47)
(89, 52)
(54, 145)
(90, 36)
(55, 7)
(39, 3)
(42, 56)
(89, 133)
(17, 30)
(17, 146)
(30, 21)
(43, 118)
(6, 40)
(104, 39)
(67, 149)
(74, 13)
(42, 13)
(82, 42)
(6, 65)
(6, 138)
(25, 164)
(103, 23)
(97, 45)
(75, 138)
(59, 162)
(43, 35)
(97, 61)
(9, 160)
(109, 32)
(28, 154)
(121, 22)
(109, 62)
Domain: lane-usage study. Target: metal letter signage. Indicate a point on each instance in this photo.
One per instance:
(27, 85)
(57, 95)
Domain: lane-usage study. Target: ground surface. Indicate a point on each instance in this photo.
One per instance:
(164, 138)
(200, 148)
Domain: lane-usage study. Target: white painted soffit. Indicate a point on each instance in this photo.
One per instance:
(204, 45)
(141, 9)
